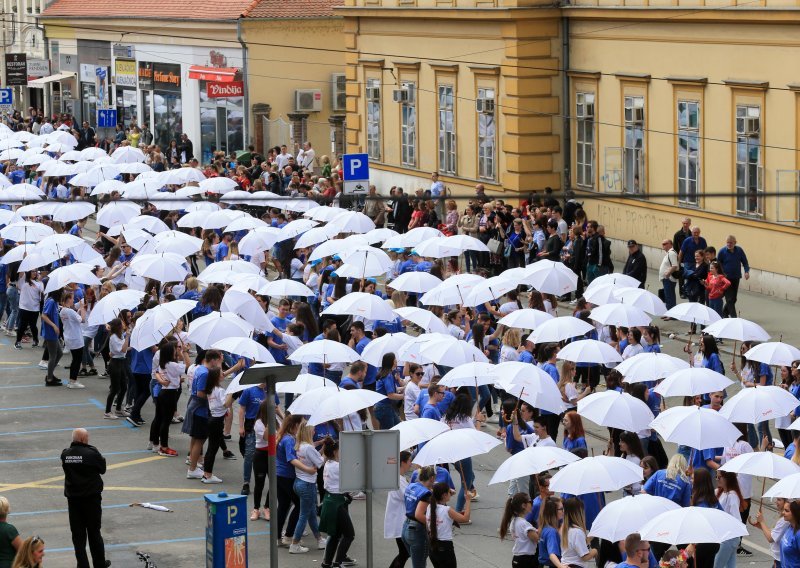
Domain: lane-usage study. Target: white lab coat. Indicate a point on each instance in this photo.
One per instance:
(395, 511)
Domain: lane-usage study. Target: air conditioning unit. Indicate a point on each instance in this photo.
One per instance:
(484, 106)
(401, 95)
(638, 115)
(338, 91)
(308, 100)
(752, 126)
(373, 94)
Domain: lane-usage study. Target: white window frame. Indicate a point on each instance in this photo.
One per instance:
(584, 139)
(374, 122)
(487, 138)
(749, 175)
(633, 162)
(446, 129)
(688, 167)
(408, 127)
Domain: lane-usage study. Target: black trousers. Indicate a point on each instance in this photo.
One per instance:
(286, 498)
(525, 561)
(142, 381)
(339, 545)
(729, 309)
(261, 470)
(75, 363)
(27, 319)
(118, 383)
(216, 427)
(588, 375)
(402, 554)
(443, 556)
(85, 518)
(166, 404)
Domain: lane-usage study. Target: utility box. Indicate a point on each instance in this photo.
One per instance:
(226, 530)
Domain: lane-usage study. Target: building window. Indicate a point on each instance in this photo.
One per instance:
(633, 151)
(688, 152)
(486, 134)
(447, 130)
(408, 126)
(584, 155)
(749, 171)
(374, 118)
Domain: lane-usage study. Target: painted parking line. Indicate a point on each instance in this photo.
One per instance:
(24, 432)
(42, 485)
(148, 542)
(52, 458)
(11, 408)
(23, 386)
(119, 506)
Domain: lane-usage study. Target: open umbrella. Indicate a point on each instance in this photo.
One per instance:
(596, 474)
(615, 279)
(285, 287)
(237, 386)
(455, 445)
(560, 329)
(108, 186)
(176, 242)
(72, 273)
(25, 232)
(302, 384)
(245, 306)
(379, 235)
(527, 318)
(650, 367)
(310, 400)
(692, 524)
(531, 384)
(452, 291)
(390, 343)
(416, 282)
(451, 352)
(616, 410)
(738, 329)
(531, 461)
(117, 213)
(364, 262)
(758, 404)
(698, 428)
(315, 236)
(470, 375)
(642, 299)
(164, 267)
(109, 307)
(153, 326)
(353, 222)
(342, 403)
(550, 277)
(73, 211)
(415, 432)
(218, 184)
(208, 329)
(787, 488)
(464, 242)
(590, 351)
(127, 155)
(764, 464)
(773, 353)
(489, 290)
(244, 347)
(337, 246)
(367, 306)
(422, 318)
(412, 238)
(620, 315)
(324, 351)
(626, 516)
(601, 295)
(691, 382)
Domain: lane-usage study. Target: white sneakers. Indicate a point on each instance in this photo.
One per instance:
(42, 365)
(194, 474)
(75, 385)
(110, 416)
(297, 549)
(212, 479)
(322, 543)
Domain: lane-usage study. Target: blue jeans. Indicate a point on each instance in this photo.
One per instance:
(415, 537)
(726, 557)
(3, 302)
(762, 429)
(716, 305)
(249, 453)
(464, 468)
(471, 260)
(386, 416)
(12, 297)
(307, 492)
(669, 293)
(483, 395)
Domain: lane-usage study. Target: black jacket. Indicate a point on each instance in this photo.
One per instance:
(402, 212)
(594, 245)
(83, 465)
(636, 266)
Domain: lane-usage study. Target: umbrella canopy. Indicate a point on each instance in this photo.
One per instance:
(698, 428)
(412, 238)
(133, 167)
(626, 516)
(531, 384)
(531, 461)
(390, 343)
(692, 524)
(452, 291)
(73, 211)
(451, 352)
(550, 277)
(310, 400)
(244, 223)
(72, 273)
(691, 382)
(164, 267)
(528, 318)
(560, 329)
(464, 242)
(590, 351)
(109, 307)
(352, 222)
(302, 384)
(337, 246)
(324, 351)
(765, 464)
(650, 367)
(489, 290)
(176, 242)
(244, 347)
(738, 329)
(415, 432)
(258, 240)
(366, 261)
(117, 213)
(285, 287)
(455, 445)
(642, 299)
(787, 488)
(416, 282)
(596, 474)
(156, 324)
(615, 279)
(470, 375)
(108, 186)
(422, 318)
(218, 184)
(315, 236)
(147, 223)
(207, 330)
(220, 271)
(616, 410)
(379, 235)
(245, 306)
(26, 232)
(620, 314)
(758, 404)
(368, 306)
(601, 295)
(773, 353)
(435, 248)
(296, 228)
(342, 403)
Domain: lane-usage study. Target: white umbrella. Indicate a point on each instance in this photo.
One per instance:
(738, 329)
(693, 312)
(367, 306)
(559, 329)
(550, 277)
(244, 223)
(455, 445)
(21, 192)
(616, 410)
(489, 290)
(72, 273)
(296, 228)
(207, 330)
(626, 516)
(412, 238)
(246, 307)
(164, 267)
(411, 350)
(596, 474)
(147, 223)
(452, 291)
(464, 242)
(92, 153)
(109, 307)
(61, 137)
(25, 231)
(601, 295)
(416, 282)
(379, 235)
(323, 213)
(422, 318)
(620, 315)
(189, 191)
(435, 248)
(127, 155)
(531, 384)
(203, 206)
(7, 217)
(310, 400)
(470, 375)
(691, 382)
(642, 299)
(133, 167)
(342, 403)
(220, 185)
(759, 404)
(692, 524)
(176, 242)
(258, 240)
(368, 261)
(324, 351)
(337, 246)
(590, 351)
(10, 143)
(245, 282)
(38, 209)
(353, 222)
(786, 488)
(390, 343)
(96, 175)
(108, 186)
(773, 353)
(156, 324)
(302, 384)
(11, 154)
(314, 236)
(650, 367)
(616, 279)
(296, 205)
(244, 347)
(451, 352)
(415, 432)
(698, 428)
(72, 155)
(285, 287)
(531, 461)
(237, 386)
(527, 318)
(227, 267)
(764, 464)
(180, 176)
(58, 244)
(117, 213)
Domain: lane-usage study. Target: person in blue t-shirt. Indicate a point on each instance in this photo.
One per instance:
(317, 368)
(386, 385)
(574, 434)
(197, 412)
(285, 462)
(430, 410)
(249, 403)
(790, 541)
(637, 552)
(224, 247)
(358, 342)
(417, 498)
(277, 347)
(51, 329)
(671, 483)
(549, 538)
(442, 476)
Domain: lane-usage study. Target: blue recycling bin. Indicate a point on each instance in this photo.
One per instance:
(226, 530)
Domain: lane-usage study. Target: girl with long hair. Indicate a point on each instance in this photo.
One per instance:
(395, 512)
(574, 434)
(775, 534)
(173, 361)
(671, 483)
(703, 495)
(30, 553)
(285, 463)
(732, 502)
(335, 516)
(459, 416)
(30, 298)
(218, 409)
(575, 549)
(631, 450)
(790, 542)
(417, 500)
(305, 487)
(441, 518)
(552, 515)
(118, 347)
(387, 384)
(525, 534)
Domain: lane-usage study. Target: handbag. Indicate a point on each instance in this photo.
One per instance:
(495, 246)
(508, 250)
(661, 295)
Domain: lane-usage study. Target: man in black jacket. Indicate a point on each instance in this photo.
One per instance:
(598, 252)
(83, 487)
(402, 211)
(636, 265)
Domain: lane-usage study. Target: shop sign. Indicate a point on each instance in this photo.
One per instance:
(38, 68)
(146, 75)
(166, 77)
(125, 73)
(216, 90)
(16, 69)
(87, 73)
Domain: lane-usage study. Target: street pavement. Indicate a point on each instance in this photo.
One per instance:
(36, 424)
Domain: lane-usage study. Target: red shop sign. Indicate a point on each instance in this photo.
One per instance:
(218, 90)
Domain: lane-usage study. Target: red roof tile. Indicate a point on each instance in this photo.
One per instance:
(161, 9)
(291, 8)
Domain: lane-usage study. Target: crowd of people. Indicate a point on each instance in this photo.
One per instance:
(188, 379)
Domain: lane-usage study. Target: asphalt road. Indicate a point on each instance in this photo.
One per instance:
(36, 424)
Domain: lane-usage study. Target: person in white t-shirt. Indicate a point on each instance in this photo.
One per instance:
(71, 321)
(440, 525)
(525, 534)
(411, 393)
(575, 549)
(305, 487)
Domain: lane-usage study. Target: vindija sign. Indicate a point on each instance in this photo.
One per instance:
(216, 90)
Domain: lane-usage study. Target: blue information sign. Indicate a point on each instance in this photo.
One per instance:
(106, 118)
(226, 530)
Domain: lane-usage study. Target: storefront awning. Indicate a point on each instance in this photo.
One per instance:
(219, 74)
(41, 82)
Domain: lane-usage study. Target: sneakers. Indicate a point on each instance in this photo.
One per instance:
(130, 420)
(196, 474)
(167, 452)
(228, 455)
(53, 383)
(199, 462)
(122, 413)
(322, 542)
(110, 416)
(297, 549)
(265, 514)
(43, 365)
(75, 385)
(17, 345)
(285, 541)
(475, 496)
(213, 479)
(254, 514)
(246, 489)
(359, 496)
(349, 561)
(742, 551)
(150, 446)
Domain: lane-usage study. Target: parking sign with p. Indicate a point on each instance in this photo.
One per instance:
(355, 173)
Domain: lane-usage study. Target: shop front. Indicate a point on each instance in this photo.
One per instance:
(221, 92)
(125, 79)
(161, 100)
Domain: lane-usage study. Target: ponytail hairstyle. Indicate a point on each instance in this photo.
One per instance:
(439, 490)
(574, 517)
(515, 505)
(426, 473)
(329, 448)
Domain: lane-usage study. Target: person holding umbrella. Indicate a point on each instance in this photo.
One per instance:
(525, 534)
(703, 496)
(417, 499)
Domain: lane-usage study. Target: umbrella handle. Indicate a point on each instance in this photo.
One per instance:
(761, 501)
